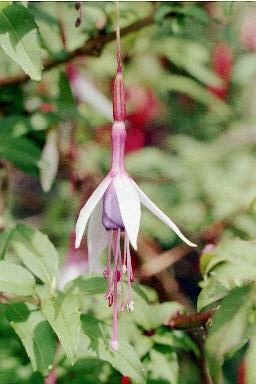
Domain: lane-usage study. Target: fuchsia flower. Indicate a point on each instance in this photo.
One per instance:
(112, 214)
(222, 62)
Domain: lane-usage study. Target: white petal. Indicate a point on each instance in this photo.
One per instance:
(129, 203)
(49, 161)
(97, 239)
(88, 208)
(161, 215)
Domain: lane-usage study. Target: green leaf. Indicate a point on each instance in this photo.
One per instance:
(212, 291)
(125, 360)
(23, 153)
(89, 285)
(4, 4)
(65, 323)
(37, 253)
(14, 126)
(196, 91)
(19, 39)
(250, 375)
(142, 313)
(163, 312)
(94, 329)
(176, 339)
(65, 103)
(25, 331)
(15, 279)
(231, 264)
(44, 346)
(85, 285)
(17, 312)
(5, 238)
(163, 366)
(229, 331)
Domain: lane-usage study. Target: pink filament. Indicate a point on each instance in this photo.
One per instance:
(114, 275)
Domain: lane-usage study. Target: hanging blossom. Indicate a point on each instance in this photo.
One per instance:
(112, 215)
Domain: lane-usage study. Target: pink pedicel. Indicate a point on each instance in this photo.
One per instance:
(119, 113)
(52, 378)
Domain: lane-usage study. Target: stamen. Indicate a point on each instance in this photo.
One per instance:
(115, 279)
(130, 306)
(114, 273)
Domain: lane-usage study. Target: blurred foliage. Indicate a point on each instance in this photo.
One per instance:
(190, 78)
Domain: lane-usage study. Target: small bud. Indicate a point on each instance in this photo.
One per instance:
(77, 5)
(124, 269)
(125, 380)
(78, 22)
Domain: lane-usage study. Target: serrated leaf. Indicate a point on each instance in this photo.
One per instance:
(229, 330)
(94, 329)
(163, 366)
(15, 279)
(89, 285)
(125, 360)
(231, 264)
(65, 322)
(44, 341)
(211, 292)
(25, 331)
(17, 312)
(19, 39)
(142, 313)
(37, 253)
(146, 293)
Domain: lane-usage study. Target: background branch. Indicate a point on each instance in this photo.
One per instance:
(93, 47)
(193, 320)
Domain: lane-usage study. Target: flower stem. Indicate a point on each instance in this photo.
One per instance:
(118, 87)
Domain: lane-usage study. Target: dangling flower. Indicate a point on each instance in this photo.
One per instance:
(113, 214)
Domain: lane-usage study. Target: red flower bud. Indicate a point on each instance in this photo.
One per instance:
(126, 380)
(241, 373)
(222, 66)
